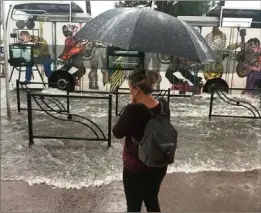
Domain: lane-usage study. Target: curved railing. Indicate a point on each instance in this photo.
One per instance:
(69, 116)
(61, 106)
(41, 101)
(56, 102)
(256, 114)
(246, 105)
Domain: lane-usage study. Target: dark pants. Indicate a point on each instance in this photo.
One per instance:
(252, 80)
(145, 187)
(47, 69)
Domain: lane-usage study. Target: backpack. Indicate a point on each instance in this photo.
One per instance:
(158, 145)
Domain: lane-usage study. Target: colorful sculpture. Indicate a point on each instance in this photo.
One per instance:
(217, 40)
(72, 52)
(249, 64)
(41, 53)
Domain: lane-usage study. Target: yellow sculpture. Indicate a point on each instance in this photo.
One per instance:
(217, 41)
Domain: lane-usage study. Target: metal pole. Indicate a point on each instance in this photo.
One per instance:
(116, 101)
(18, 95)
(221, 16)
(6, 49)
(30, 119)
(88, 7)
(1, 23)
(211, 102)
(70, 18)
(109, 120)
(1, 17)
(54, 40)
(68, 99)
(168, 95)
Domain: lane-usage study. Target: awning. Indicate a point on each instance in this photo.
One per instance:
(200, 21)
(254, 14)
(50, 8)
(58, 12)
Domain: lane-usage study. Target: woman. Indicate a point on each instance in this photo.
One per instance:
(141, 183)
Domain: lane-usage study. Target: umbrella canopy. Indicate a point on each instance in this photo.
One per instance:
(147, 30)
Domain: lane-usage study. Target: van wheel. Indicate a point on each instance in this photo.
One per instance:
(217, 82)
(62, 80)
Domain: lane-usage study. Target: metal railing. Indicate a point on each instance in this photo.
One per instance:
(24, 87)
(64, 115)
(156, 93)
(221, 94)
(119, 91)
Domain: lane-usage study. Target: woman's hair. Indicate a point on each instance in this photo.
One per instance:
(145, 80)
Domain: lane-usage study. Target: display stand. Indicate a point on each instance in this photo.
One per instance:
(20, 70)
(119, 59)
(21, 56)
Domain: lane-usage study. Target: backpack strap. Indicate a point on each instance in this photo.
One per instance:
(161, 107)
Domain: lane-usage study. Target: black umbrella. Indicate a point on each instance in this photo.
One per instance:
(147, 30)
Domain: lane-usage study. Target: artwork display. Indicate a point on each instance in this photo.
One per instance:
(41, 53)
(90, 57)
(217, 40)
(249, 63)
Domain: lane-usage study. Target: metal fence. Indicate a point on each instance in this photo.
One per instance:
(58, 111)
(256, 113)
(23, 86)
(156, 93)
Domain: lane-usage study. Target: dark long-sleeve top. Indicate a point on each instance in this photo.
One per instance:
(131, 124)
